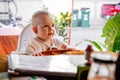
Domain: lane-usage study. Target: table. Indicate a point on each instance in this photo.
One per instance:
(4, 69)
(9, 39)
(12, 76)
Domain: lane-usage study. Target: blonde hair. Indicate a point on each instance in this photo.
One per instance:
(36, 18)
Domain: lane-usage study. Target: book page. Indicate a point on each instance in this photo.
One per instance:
(13, 61)
(56, 63)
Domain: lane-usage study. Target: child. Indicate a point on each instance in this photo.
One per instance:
(44, 28)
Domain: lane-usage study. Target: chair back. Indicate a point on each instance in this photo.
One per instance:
(24, 39)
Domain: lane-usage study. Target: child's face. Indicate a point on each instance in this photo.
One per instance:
(46, 29)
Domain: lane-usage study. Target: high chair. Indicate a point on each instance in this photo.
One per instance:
(25, 37)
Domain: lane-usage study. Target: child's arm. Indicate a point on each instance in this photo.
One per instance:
(67, 47)
(33, 50)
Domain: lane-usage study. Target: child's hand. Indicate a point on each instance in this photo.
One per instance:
(38, 54)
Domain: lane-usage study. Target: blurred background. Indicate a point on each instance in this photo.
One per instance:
(88, 16)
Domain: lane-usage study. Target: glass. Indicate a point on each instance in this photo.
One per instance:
(102, 67)
(117, 68)
(3, 63)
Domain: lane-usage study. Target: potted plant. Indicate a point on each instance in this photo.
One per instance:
(111, 32)
(62, 24)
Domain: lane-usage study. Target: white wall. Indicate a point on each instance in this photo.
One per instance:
(95, 9)
(57, 6)
(26, 8)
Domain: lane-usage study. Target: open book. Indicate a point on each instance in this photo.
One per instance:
(62, 65)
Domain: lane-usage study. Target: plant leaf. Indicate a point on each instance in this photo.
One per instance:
(110, 31)
(95, 44)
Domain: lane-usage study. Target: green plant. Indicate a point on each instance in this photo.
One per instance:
(62, 24)
(111, 32)
(97, 44)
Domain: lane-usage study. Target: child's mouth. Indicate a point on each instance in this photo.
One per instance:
(50, 34)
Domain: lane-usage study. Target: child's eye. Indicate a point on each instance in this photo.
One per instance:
(53, 25)
(46, 26)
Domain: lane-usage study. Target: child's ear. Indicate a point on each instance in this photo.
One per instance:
(34, 29)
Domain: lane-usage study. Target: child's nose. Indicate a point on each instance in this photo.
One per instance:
(51, 28)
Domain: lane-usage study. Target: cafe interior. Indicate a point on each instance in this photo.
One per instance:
(90, 26)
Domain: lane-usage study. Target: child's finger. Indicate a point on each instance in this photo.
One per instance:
(39, 54)
(35, 54)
